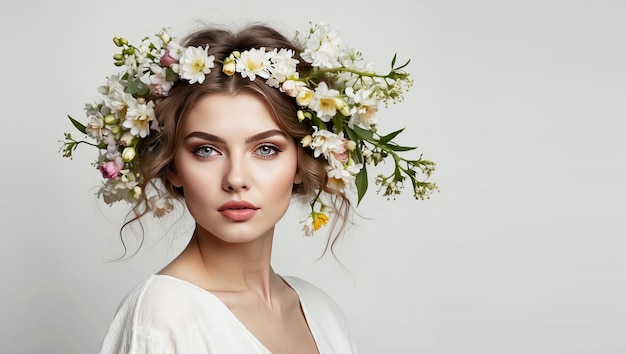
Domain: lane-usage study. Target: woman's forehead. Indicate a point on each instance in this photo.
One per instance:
(227, 114)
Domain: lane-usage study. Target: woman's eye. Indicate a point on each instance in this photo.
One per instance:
(205, 151)
(267, 151)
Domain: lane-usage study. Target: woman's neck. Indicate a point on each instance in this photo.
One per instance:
(217, 265)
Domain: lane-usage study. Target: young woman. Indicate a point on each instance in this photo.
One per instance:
(235, 124)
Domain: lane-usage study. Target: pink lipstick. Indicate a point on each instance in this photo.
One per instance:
(238, 210)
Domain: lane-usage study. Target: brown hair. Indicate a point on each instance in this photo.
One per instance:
(155, 153)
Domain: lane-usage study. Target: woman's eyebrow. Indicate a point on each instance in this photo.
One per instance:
(205, 136)
(265, 135)
(255, 137)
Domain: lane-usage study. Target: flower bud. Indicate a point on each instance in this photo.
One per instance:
(127, 139)
(165, 37)
(350, 145)
(167, 60)
(306, 141)
(342, 106)
(229, 68)
(128, 154)
(292, 87)
(136, 192)
(110, 169)
(301, 116)
(110, 119)
(304, 96)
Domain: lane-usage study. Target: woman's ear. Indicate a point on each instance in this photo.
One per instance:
(297, 179)
(172, 177)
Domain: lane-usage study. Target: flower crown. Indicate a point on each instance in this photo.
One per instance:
(340, 96)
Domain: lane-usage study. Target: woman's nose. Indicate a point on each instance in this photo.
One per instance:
(236, 176)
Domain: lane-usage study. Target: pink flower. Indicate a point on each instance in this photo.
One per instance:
(167, 60)
(341, 153)
(110, 169)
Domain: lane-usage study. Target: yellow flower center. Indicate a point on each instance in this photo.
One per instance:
(327, 104)
(253, 66)
(198, 65)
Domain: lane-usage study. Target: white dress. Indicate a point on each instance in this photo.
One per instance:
(165, 314)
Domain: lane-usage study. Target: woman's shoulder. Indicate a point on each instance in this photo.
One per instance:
(312, 296)
(157, 313)
(163, 298)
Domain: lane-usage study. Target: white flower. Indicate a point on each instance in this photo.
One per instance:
(363, 113)
(138, 117)
(175, 50)
(326, 142)
(323, 48)
(363, 116)
(114, 94)
(325, 102)
(254, 62)
(160, 205)
(340, 177)
(94, 127)
(284, 67)
(350, 57)
(117, 100)
(158, 81)
(114, 190)
(113, 84)
(195, 64)
(307, 226)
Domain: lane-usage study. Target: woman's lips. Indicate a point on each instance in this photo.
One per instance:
(238, 214)
(238, 210)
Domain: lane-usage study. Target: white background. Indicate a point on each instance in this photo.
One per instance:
(521, 104)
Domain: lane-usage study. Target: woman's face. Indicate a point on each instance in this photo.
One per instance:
(236, 167)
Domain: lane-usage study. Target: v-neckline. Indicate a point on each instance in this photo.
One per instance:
(312, 328)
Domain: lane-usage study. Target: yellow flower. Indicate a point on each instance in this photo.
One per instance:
(319, 220)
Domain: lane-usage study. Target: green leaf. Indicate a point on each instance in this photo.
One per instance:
(361, 184)
(403, 65)
(351, 134)
(137, 88)
(170, 75)
(393, 61)
(81, 128)
(365, 134)
(401, 148)
(387, 138)
(338, 123)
